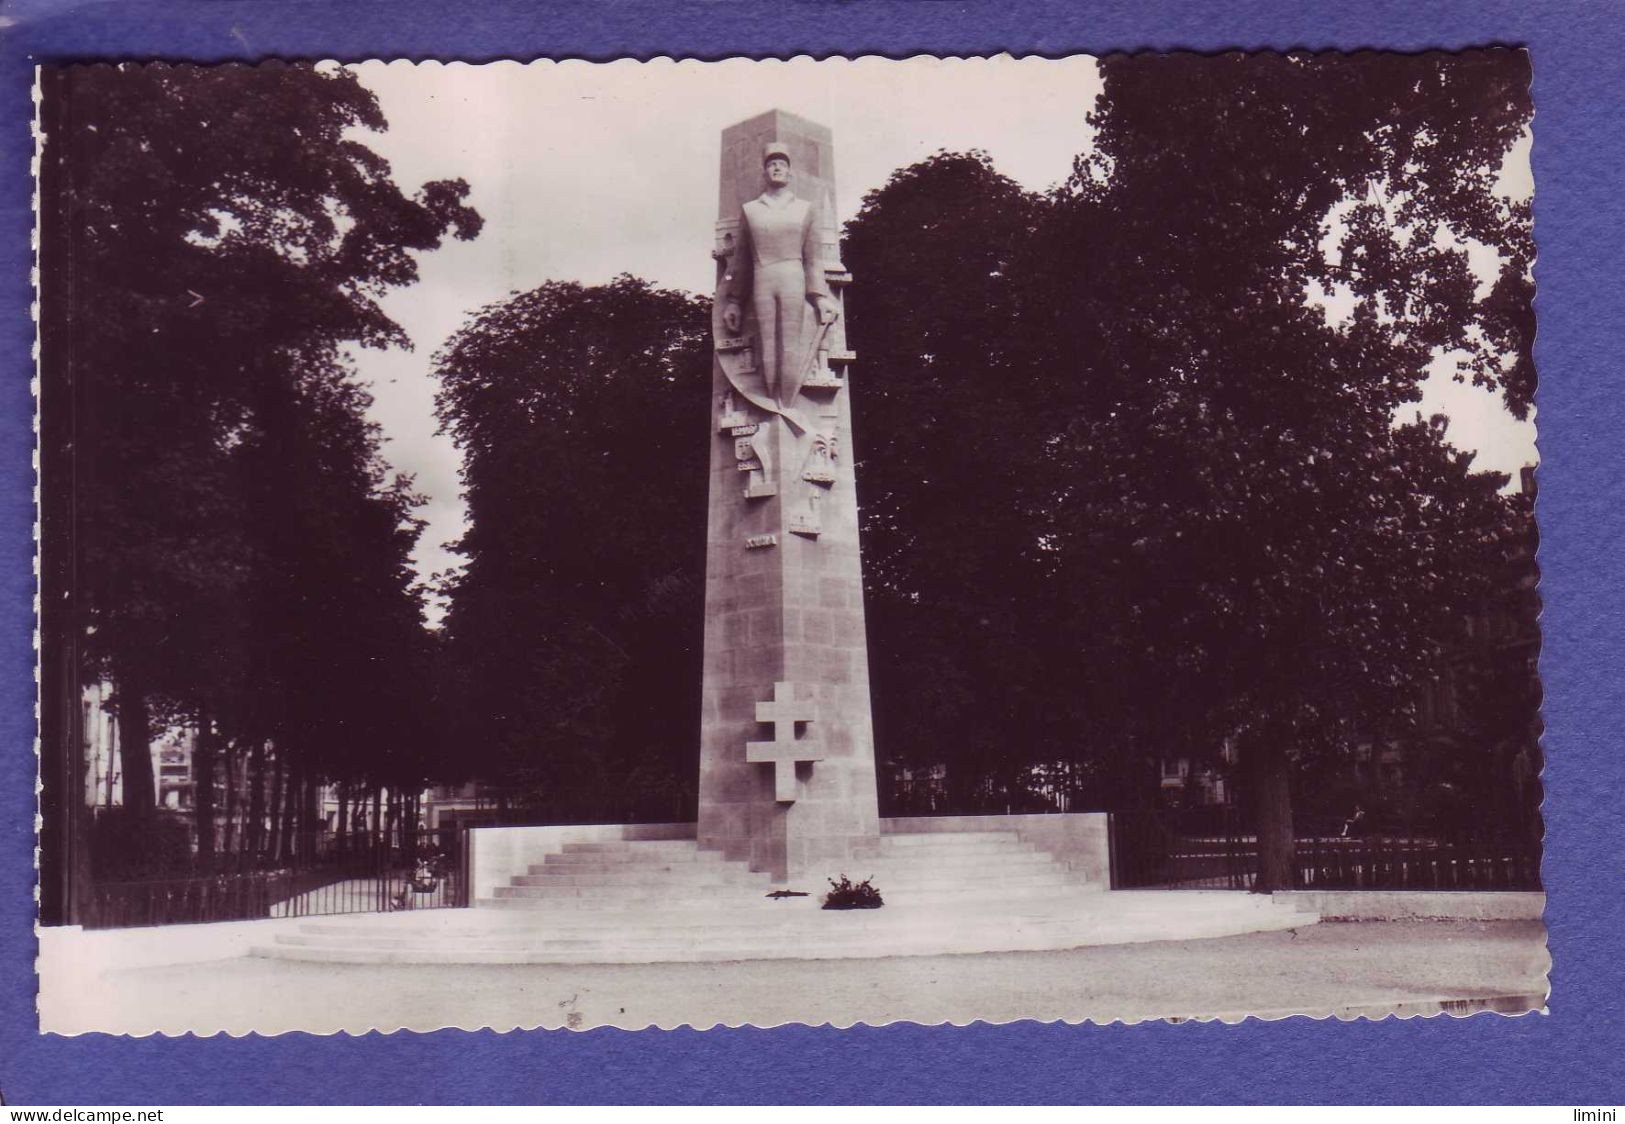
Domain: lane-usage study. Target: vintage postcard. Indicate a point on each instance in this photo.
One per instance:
(757, 542)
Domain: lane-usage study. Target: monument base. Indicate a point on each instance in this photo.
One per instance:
(632, 894)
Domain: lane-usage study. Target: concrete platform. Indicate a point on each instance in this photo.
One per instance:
(669, 901)
(1418, 905)
(1366, 969)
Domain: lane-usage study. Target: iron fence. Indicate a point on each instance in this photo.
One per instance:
(1385, 862)
(616, 800)
(1153, 849)
(372, 878)
(181, 901)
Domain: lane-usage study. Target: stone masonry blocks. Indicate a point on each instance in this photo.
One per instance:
(790, 611)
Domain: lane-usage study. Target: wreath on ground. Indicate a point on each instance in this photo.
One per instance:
(846, 894)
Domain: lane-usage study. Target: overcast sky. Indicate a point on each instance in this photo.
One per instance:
(584, 171)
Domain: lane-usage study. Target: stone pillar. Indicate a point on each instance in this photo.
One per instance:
(787, 770)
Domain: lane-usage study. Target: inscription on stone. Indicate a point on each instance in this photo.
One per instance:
(742, 430)
(757, 542)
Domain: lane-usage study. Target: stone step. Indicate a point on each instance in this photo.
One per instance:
(632, 858)
(780, 931)
(982, 875)
(986, 883)
(474, 926)
(611, 893)
(911, 877)
(644, 846)
(635, 870)
(606, 942)
(958, 865)
(555, 876)
(639, 932)
(952, 839)
(638, 869)
(968, 850)
(956, 868)
(699, 896)
(1025, 893)
(616, 945)
(871, 941)
(576, 897)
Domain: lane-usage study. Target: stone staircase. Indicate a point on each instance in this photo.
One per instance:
(955, 867)
(671, 901)
(650, 874)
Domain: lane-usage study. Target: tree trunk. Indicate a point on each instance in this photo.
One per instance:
(279, 781)
(392, 823)
(254, 829)
(285, 840)
(1270, 771)
(228, 826)
(135, 748)
(377, 817)
(409, 820)
(310, 815)
(203, 762)
(342, 832)
(117, 740)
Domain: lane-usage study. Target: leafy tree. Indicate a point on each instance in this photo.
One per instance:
(573, 635)
(953, 477)
(1302, 546)
(341, 670)
(213, 236)
(1185, 496)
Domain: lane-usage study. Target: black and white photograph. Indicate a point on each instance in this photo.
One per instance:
(759, 542)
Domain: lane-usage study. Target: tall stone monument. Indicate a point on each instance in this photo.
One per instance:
(787, 768)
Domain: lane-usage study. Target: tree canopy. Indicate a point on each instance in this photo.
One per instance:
(573, 635)
(214, 237)
(1144, 438)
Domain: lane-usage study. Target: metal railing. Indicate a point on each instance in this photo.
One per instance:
(359, 879)
(1149, 850)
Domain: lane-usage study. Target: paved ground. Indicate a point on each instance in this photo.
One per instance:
(1354, 968)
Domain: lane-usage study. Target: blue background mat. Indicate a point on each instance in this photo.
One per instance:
(1572, 1056)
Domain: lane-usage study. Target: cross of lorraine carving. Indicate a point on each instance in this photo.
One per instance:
(786, 713)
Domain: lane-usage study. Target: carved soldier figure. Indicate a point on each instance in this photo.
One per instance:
(775, 266)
